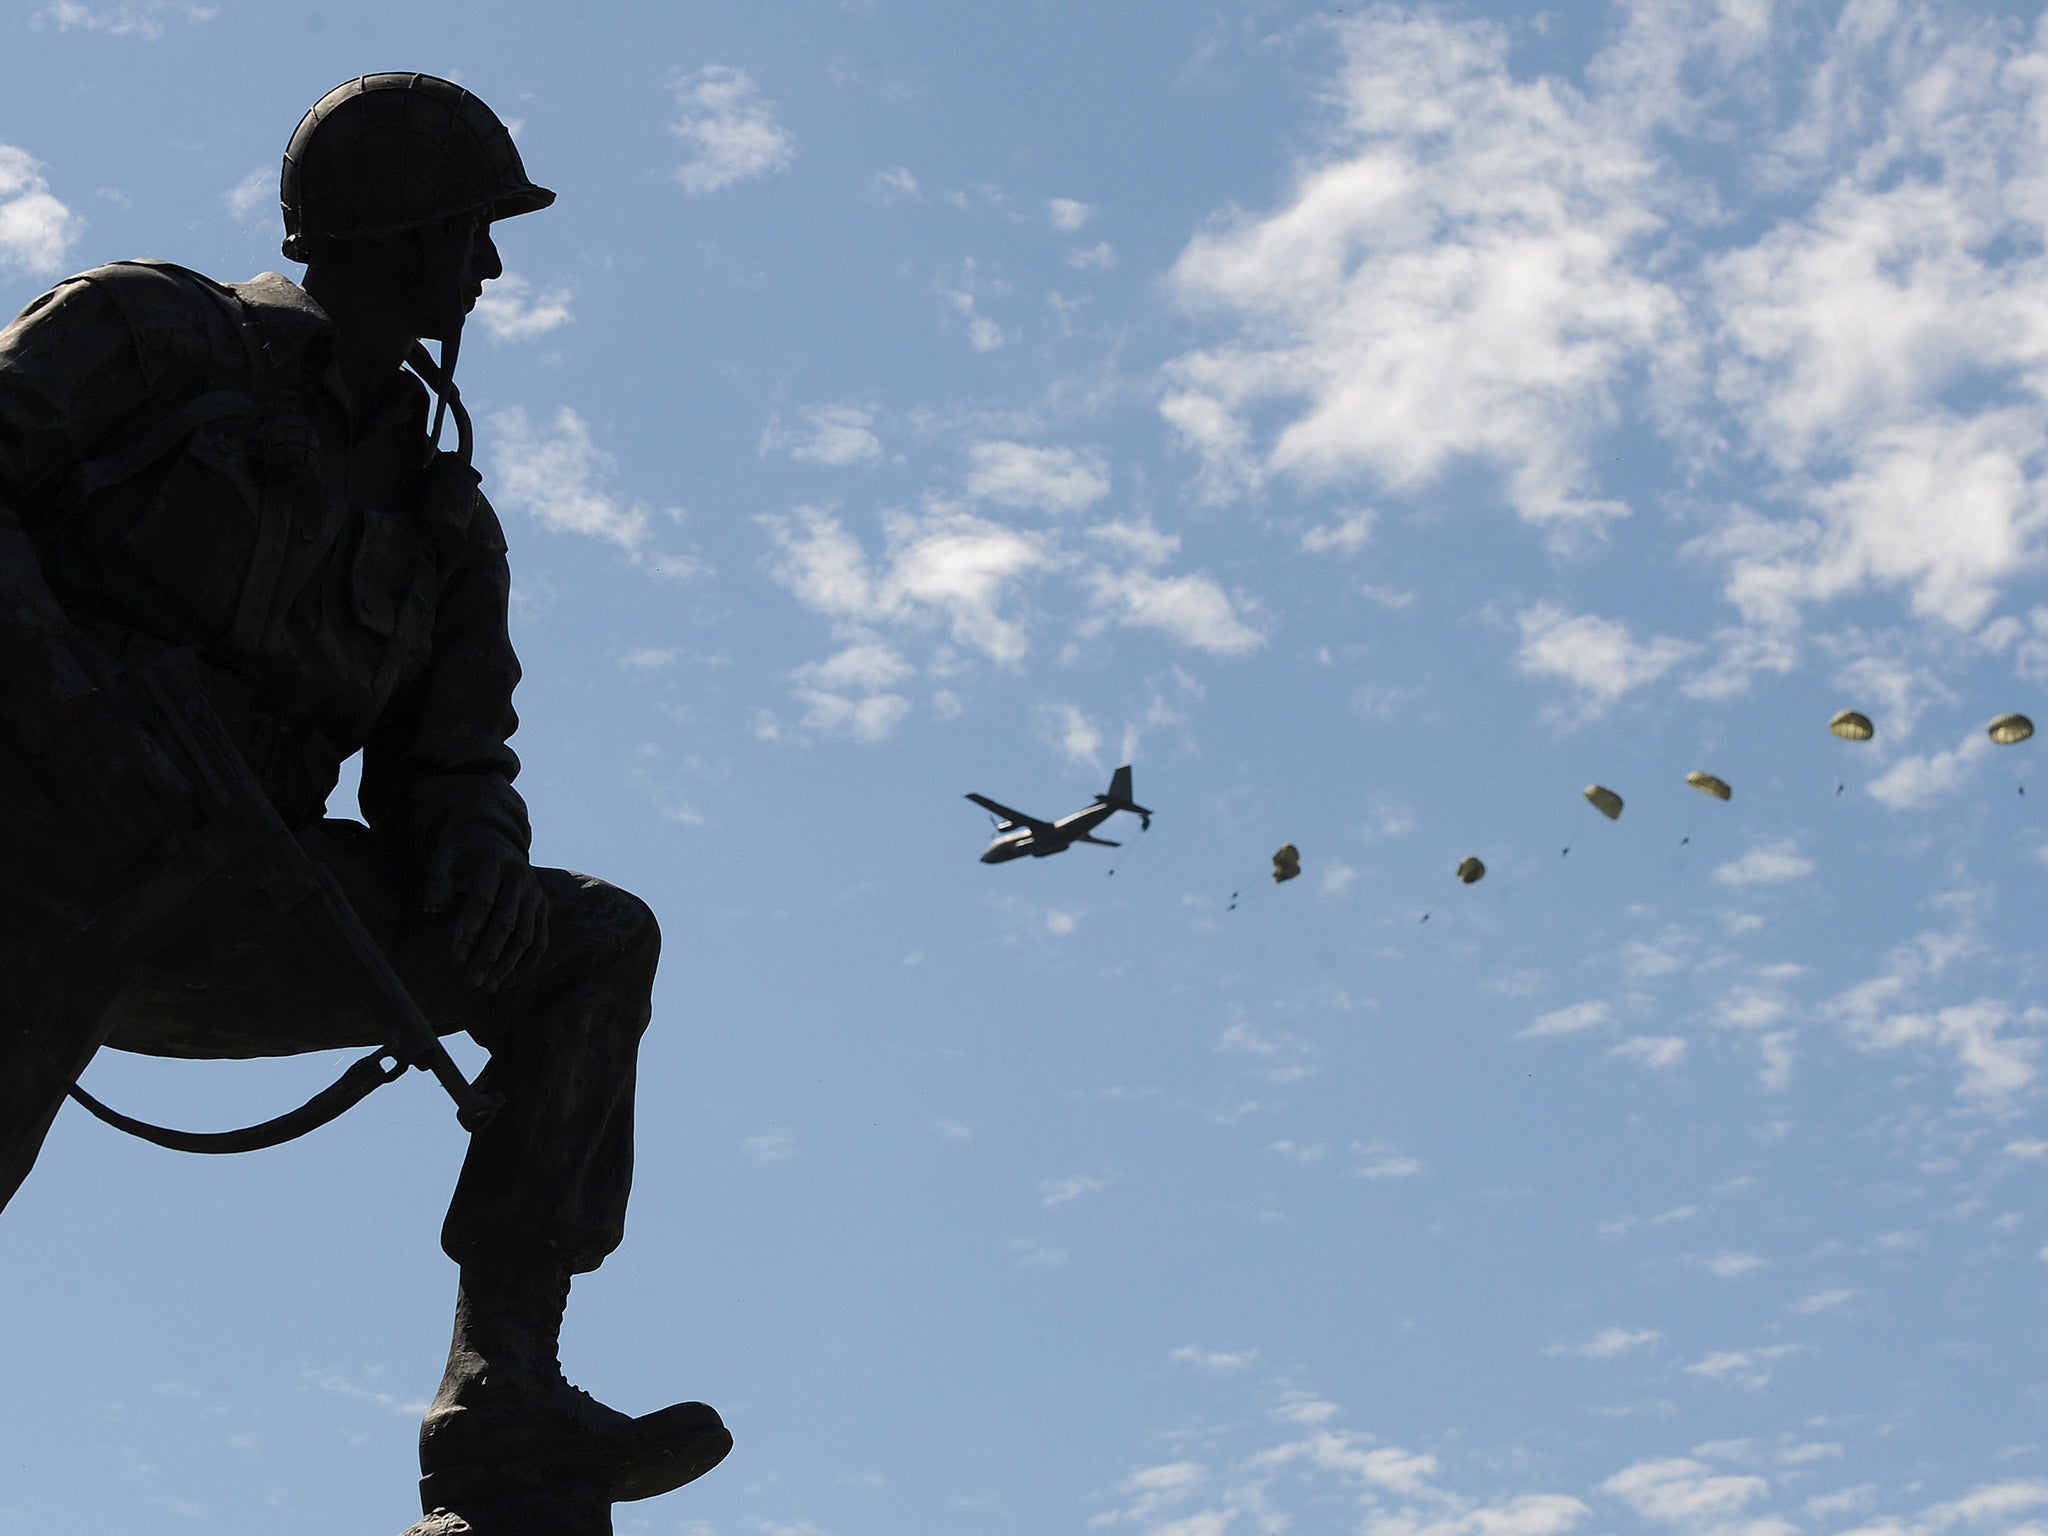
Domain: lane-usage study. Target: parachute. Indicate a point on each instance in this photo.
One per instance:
(1471, 871)
(1286, 863)
(1851, 725)
(1604, 800)
(1707, 784)
(2007, 730)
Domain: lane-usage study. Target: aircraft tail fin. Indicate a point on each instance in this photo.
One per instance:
(1119, 797)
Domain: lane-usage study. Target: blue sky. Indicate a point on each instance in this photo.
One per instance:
(1374, 424)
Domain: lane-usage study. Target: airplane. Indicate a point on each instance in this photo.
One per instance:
(1018, 834)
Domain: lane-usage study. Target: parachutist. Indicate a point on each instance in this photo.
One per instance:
(1685, 839)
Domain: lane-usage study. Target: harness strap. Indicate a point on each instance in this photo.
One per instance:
(362, 1079)
(144, 449)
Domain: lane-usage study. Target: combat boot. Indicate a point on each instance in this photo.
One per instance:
(505, 1414)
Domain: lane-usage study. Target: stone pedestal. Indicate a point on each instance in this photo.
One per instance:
(512, 1510)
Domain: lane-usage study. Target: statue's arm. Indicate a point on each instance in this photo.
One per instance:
(438, 769)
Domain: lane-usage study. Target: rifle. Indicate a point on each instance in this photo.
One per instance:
(246, 827)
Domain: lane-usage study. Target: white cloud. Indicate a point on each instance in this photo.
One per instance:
(1681, 1491)
(1766, 864)
(1912, 782)
(1346, 537)
(1069, 731)
(131, 18)
(1598, 657)
(1749, 1369)
(896, 185)
(1378, 1160)
(511, 310)
(1822, 1301)
(556, 476)
(775, 1145)
(36, 230)
(1213, 1360)
(729, 128)
(1994, 1064)
(1067, 215)
(1059, 480)
(1609, 1343)
(849, 693)
(1454, 277)
(1099, 257)
(1733, 1264)
(1567, 1021)
(1657, 1053)
(1064, 1191)
(945, 566)
(1192, 609)
(253, 199)
(840, 436)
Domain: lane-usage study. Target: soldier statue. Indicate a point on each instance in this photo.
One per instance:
(245, 476)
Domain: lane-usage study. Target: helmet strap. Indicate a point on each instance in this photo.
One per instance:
(440, 378)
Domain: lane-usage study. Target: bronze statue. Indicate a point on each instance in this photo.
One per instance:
(232, 555)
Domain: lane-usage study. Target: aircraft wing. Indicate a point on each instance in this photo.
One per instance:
(1014, 818)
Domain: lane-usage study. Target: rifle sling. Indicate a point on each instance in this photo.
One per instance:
(362, 1079)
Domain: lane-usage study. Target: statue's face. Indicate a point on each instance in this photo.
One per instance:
(457, 257)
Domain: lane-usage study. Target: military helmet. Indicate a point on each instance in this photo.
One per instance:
(392, 151)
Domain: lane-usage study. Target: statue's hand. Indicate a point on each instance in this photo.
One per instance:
(502, 918)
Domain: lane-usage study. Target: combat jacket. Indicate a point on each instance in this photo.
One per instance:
(181, 458)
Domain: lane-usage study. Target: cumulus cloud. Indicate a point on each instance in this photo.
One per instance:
(1059, 480)
(1690, 1494)
(1767, 864)
(1455, 276)
(1597, 657)
(1915, 781)
(1192, 609)
(1993, 1045)
(1749, 1369)
(556, 473)
(1068, 215)
(132, 18)
(729, 128)
(946, 566)
(850, 694)
(511, 309)
(840, 436)
(36, 230)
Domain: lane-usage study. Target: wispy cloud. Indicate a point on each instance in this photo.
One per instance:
(837, 435)
(729, 128)
(145, 19)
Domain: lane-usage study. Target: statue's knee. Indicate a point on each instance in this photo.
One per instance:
(606, 920)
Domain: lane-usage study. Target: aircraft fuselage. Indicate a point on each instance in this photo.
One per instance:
(1023, 842)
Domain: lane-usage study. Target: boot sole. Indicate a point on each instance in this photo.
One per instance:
(697, 1441)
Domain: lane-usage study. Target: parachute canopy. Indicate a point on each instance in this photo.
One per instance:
(1707, 784)
(1851, 725)
(1471, 871)
(1604, 800)
(2008, 729)
(1286, 863)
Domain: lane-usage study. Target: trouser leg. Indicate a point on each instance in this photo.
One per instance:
(550, 1176)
